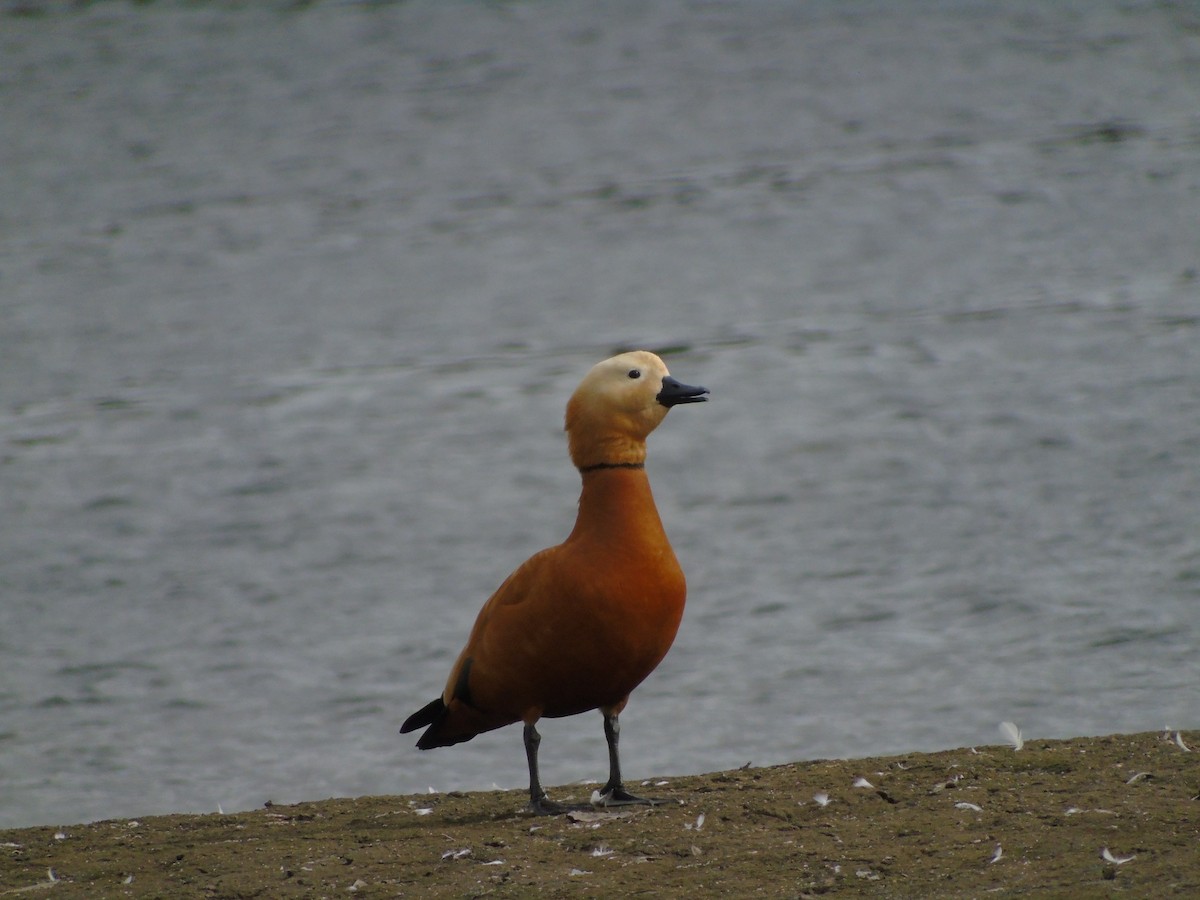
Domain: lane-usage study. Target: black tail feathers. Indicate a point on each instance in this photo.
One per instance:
(431, 713)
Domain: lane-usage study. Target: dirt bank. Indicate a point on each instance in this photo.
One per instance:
(955, 823)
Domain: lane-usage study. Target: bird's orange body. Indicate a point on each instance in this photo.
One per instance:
(580, 625)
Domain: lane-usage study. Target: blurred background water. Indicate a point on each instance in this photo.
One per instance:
(292, 296)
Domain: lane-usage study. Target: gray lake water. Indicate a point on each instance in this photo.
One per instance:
(291, 299)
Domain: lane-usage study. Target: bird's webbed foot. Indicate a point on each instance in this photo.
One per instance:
(616, 795)
(544, 806)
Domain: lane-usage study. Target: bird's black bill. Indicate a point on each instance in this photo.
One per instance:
(675, 392)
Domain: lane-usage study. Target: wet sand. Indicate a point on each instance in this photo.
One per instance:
(958, 823)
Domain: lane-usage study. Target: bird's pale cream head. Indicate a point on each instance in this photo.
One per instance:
(616, 406)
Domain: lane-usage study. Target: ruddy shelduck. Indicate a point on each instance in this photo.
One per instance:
(580, 625)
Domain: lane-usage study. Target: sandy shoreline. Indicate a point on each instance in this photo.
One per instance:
(954, 823)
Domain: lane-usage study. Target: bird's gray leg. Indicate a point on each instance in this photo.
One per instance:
(614, 793)
(538, 801)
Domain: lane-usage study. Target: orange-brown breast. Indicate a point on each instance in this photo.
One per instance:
(580, 625)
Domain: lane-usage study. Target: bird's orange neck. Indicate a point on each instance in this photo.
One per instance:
(593, 449)
(616, 505)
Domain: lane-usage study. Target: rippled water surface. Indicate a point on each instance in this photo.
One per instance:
(291, 300)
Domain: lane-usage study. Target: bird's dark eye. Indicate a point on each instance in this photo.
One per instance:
(635, 373)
